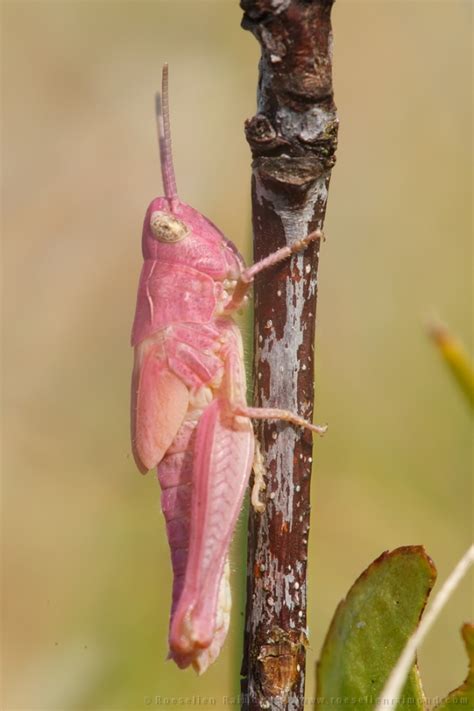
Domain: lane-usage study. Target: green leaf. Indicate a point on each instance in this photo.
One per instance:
(463, 696)
(370, 629)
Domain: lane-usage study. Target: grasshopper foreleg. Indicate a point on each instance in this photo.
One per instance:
(248, 275)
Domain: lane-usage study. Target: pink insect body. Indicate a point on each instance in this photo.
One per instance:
(189, 416)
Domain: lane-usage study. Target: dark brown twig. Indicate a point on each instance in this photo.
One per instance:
(293, 139)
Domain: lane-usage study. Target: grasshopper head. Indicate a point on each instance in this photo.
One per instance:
(183, 235)
(175, 232)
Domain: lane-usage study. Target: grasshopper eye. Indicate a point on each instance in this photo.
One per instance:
(167, 228)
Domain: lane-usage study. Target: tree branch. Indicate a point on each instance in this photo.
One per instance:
(293, 138)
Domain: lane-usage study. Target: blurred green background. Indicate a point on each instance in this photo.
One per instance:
(86, 573)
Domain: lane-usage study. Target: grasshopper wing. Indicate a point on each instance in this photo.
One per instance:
(223, 456)
(159, 403)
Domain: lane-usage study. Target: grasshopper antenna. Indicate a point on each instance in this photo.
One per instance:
(164, 139)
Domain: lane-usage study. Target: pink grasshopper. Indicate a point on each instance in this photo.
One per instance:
(189, 414)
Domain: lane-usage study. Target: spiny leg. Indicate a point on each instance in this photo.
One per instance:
(259, 479)
(234, 394)
(271, 413)
(248, 275)
(261, 413)
(258, 462)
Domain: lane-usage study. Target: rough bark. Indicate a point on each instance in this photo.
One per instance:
(293, 138)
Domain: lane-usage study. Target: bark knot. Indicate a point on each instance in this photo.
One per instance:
(278, 662)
